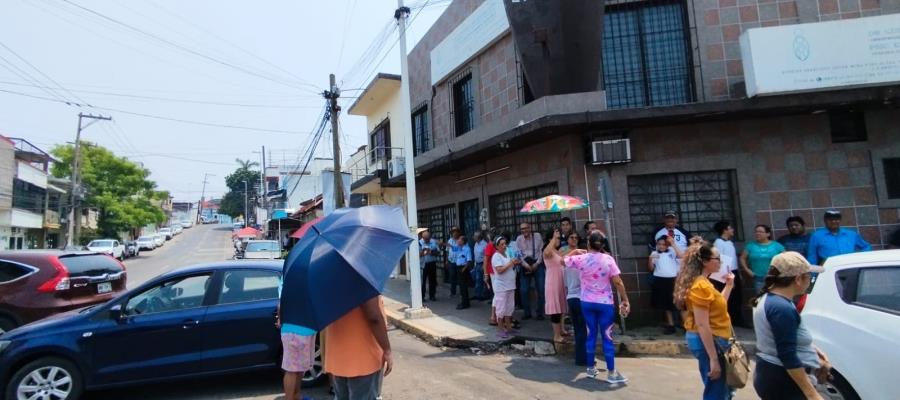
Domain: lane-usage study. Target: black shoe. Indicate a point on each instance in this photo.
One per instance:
(462, 307)
(540, 318)
(526, 317)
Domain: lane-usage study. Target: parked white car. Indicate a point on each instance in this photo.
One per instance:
(146, 242)
(853, 313)
(159, 239)
(187, 224)
(167, 232)
(112, 247)
(177, 229)
(262, 250)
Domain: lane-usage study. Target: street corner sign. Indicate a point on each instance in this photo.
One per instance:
(822, 55)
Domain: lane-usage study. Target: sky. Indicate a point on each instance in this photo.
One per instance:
(193, 85)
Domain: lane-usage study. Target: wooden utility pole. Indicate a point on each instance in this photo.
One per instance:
(74, 228)
(332, 95)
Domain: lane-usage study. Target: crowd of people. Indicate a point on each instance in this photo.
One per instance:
(695, 284)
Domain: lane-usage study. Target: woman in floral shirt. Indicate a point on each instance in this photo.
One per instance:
(599, 273)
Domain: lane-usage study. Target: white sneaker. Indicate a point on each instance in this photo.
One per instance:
(592, 373)
(616, 377)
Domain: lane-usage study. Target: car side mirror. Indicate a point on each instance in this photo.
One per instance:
(115, 313)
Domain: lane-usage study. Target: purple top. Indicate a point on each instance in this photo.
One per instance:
(596, 271)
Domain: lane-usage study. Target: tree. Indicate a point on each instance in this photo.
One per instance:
(233, 201)
(119, 188)
(246, 164)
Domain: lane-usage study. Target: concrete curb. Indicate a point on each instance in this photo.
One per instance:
(625, 346)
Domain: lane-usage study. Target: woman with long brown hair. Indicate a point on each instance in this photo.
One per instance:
(705, 312)
(788, 364)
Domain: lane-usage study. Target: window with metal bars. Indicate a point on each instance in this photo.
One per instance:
(463, 102)
(700, 198)
(439, 220)
(380, 141)
(505, 216)
(646, 54)
(421, 135)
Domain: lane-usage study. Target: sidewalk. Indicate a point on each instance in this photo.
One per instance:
(449, 327)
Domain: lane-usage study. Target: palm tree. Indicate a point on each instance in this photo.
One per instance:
(246, 164)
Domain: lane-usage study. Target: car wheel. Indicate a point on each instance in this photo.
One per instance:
(46, 378)
(316, 376)
(838, 389)
(7, 324)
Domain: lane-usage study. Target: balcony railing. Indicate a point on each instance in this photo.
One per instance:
(375, 160)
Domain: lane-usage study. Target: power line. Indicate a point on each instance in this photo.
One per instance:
(159, 98)
(182, 47)
(159, 117)
(245, 51)
(42, 73)
(112, 38)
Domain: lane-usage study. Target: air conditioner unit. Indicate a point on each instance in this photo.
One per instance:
(615, 151)
(396, 167)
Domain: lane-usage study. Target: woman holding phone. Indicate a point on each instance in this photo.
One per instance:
(599, 273)
(504, 286)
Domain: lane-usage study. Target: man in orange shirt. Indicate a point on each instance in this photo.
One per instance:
(358, 351)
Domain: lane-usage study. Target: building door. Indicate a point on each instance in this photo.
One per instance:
(468, 217)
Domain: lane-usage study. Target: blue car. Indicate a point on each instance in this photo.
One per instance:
(197, 321)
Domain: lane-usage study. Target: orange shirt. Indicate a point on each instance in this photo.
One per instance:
(350, 347)
(702, 294)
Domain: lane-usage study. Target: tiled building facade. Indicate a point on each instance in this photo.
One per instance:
(674, 84)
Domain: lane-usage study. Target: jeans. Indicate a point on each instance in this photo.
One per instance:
(580, 328)
(429, 274)
(526, 281)
(599, 318)
(712, 389)
(478, 277)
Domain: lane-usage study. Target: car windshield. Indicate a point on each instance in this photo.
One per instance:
(263, 246)
(145, 239)
(101, 243)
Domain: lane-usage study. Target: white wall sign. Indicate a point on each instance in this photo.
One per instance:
(479, 30)
(822, 55)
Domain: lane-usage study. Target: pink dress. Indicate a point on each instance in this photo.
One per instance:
(555, 286)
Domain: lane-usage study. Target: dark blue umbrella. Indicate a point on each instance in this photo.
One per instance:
(342, 261)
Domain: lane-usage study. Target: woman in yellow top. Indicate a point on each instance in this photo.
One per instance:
(706, 318)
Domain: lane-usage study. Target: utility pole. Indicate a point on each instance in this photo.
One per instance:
(246, 213)
(415, 276)
(74, 212)
(332, 95)
(262, 181)
(202, 196)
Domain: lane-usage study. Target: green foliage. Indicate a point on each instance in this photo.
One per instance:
(233, 201)
(119, 188)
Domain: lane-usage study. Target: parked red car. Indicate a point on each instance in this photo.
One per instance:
(35, 284)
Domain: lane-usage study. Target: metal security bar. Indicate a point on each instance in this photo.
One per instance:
(504, 210)
(421, 135)
(462, 102)
(646, 54)
(700, 198)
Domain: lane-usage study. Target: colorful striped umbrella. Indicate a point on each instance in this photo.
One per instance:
(554, 203)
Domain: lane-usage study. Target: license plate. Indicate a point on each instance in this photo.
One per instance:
(104, 287)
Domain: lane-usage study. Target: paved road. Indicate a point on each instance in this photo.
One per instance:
(200, 244)
(425, 372)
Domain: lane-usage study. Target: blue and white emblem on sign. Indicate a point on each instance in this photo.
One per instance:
(801, 46)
